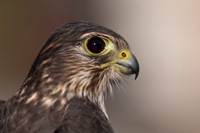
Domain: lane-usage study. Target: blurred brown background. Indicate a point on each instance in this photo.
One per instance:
(164, 35)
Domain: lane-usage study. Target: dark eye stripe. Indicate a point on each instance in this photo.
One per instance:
(95, 45)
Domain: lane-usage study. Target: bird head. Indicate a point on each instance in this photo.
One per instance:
(82, 59)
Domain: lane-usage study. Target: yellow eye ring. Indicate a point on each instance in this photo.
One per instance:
(98, 45)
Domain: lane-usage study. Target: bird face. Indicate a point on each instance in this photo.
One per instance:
(82, 59)
(115, 53)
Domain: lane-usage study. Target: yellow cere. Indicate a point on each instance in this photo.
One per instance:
(124, 54)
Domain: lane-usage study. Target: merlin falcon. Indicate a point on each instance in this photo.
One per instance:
(65, 89)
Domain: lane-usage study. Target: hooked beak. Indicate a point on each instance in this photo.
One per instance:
(128, 65)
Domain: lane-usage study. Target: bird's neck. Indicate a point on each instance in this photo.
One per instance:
(52, 94)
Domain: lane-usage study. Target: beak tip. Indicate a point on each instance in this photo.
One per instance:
(136, 75)
(136, 68)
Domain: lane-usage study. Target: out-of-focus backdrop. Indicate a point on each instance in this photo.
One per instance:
(164, 36)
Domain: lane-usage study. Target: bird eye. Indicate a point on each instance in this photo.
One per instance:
(95, 45)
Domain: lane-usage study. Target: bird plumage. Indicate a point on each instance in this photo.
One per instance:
(82, 115)
(73, 63)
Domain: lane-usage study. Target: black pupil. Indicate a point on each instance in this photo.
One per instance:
(96, 45)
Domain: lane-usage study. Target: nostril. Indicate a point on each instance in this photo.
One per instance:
(123, 54)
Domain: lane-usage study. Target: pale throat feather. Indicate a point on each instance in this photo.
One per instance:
(82, 86)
